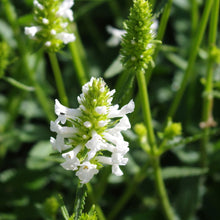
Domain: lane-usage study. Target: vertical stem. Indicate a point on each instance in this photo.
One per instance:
(194, 15)
(77, 63)
(194, 51)
(160, 34)
(208, 99)
(58, 78)
(146, 107)
(165, 204)
(79, 201)
(161, 190)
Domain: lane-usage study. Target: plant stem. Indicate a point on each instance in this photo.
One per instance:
(79, 201)
(77, 63)
(194, 15)
(160, 34)
(208, 99)
(166, 207)
(193, 54)
(58, 78)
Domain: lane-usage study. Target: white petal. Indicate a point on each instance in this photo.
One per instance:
(102, 110)
(113, 113)
(38, 5)
(102, 123)
(87, 124)
(86, 172)
(66, 37)
(116, 36)
(122, 125)
(116, 170)
(104, 160)
(31, 31)
(69, 112)
(65, 10)
(45, 21)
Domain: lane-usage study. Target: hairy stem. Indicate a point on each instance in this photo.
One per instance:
(161, 190)
(79, 201)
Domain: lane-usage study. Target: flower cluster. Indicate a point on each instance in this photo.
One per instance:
(51, 21)
(90, 135)
(137, 44)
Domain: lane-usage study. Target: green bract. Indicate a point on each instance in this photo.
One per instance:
(137, 43)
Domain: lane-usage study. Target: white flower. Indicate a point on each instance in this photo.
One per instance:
(117, 34)
(66, 37)
(90, 134)
(86, 172)
(31, 31)
(72, 162)
(38, 5)
(52, 17)
(102, 110)
(65, 9)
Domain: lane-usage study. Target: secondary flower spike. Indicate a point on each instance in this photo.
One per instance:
(51, 21)
(90, 135)
(137, 46)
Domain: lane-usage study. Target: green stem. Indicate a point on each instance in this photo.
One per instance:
(166, 207)
(193, 54)
(160, 34)
(146, 108)
(161, 190)
(194, 15)
(79, 201)
(208, 99)
(58, 78)
(77, 63)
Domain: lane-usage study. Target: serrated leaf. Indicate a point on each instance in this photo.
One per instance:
(114, 69)
(181, 172)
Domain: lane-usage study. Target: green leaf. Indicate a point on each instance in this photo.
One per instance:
(114, 69)
(63, 208)
(180, 172)
(177, 60)
(17, 84)
(39, 156)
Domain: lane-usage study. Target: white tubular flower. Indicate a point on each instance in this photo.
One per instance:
(86, 172)
(31, 31)
(51, 21)
(89, 135)
(65, 9)
(115, 39)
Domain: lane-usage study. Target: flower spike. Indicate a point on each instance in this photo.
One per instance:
(138, 41)
(51, 21)
(92, 132)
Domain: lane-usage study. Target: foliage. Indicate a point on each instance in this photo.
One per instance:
(32, 180)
